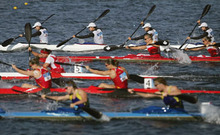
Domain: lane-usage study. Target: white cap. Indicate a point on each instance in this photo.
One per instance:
(146, 25)
(204, 24)
(91, 25)
(36, 24)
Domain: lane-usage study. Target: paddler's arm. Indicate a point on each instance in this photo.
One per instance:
(83, 100)
(57, 98)
(34, 53)
(195, 49)
(136, 47)
(145, 95)
(173, 91)
(107, 72)
(84, 36)
(205, 34)
(24, 72)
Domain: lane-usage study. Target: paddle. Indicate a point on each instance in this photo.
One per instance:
(9, 64)
(28, 33)
(69, 64)
(10, 40)
(185, 97)
(205, 11)
(114, 47)
(102, 15)
(93, 112)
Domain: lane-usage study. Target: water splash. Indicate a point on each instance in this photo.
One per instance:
(182, 57)
(211, 113)
(52, 106)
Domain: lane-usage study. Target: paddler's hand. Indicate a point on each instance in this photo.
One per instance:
(74, 36)
(187, 49)
(87, 67)
(188, 38)
(129, 38)
(72, 105)
(29, 49)
(199, 22)
(43, 96)
(21, 35)
(142, 23)
(131, 91)
(127, 47)
(13, 66)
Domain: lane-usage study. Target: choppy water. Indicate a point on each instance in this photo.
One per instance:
(173, 20)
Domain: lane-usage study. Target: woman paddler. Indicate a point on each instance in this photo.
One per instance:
(50, 60)
(212, 48)
(77, 96)
(153, 48)
(119, 75)
(41, 75)
(167, 93)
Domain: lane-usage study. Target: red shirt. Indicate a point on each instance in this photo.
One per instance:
(121, 79)
(44, 81)
(154, 51)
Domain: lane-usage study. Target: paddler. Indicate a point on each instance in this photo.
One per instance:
(50, 60)
(149, 30)
(96, 33)
(167, 93)
(119, 75)
(41, 32)
(152, 47)
(207, 32)
(212, 48)
(77, 96)
(41, 75)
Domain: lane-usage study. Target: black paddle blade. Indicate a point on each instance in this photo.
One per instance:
(60, 44)
(96, 114)
(136, 78)
(188, 98)
(102, 15)
(205, 10)
(28, 32)
(7, 42)
(149, 13)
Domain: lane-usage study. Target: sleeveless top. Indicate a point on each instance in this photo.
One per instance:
(213, 51)
(172, 101)
(98, 36)
(154, 51)
(121, 79)
(78, 98)
(154, 33)
(210, 34)
(44, 81)
(56, 68)
(44, 36)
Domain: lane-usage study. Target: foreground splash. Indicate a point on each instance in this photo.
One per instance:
(211, 113)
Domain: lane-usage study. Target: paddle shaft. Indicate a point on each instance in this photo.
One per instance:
(205, 11)
(149, 13)
(102, 15)
(115, 47)
(94, 113)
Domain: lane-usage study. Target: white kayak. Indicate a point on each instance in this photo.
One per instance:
(77, 47)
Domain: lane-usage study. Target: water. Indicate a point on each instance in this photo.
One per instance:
(172, 19)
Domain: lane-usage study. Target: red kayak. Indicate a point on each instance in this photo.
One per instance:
(94, 90)
(132, 58)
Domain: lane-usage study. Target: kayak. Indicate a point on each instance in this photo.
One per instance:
(77, 47)
(132, 58)
(152, 112)
(16, 75)
(95, 90)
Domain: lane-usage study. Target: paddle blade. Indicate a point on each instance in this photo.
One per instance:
(102, 15)
(28, 32)
(7, 42)
(205, 10)
(60, 44)
(149, 13)
(188, 98)
(96, 114)
(136, 78)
